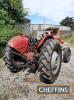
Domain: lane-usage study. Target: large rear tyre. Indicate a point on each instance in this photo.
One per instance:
(14, 62)
(50, 61)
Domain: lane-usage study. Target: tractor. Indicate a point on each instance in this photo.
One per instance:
(42, 54)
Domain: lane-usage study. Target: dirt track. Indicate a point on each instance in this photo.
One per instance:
(20, 87)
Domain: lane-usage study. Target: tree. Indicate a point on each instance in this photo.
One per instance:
(68, 21)
(12, 11)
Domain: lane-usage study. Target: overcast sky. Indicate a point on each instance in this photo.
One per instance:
(53, 10)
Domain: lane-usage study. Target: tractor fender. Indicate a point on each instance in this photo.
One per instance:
(42, 41)
(19, 43)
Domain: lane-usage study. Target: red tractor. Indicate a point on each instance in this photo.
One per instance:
(43, 54)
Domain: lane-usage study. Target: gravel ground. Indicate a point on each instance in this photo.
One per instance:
(20, 87)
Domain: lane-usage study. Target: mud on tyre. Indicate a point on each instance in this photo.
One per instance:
(50, 61)
(14, 62)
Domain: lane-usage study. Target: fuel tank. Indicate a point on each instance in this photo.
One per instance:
(19, 43)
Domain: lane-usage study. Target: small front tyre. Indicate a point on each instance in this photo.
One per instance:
(14, 62)
(66, 55)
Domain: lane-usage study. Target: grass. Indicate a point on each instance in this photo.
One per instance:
(69, 38)
(7, 32)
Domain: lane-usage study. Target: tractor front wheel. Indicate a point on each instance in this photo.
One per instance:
(66, 55)
(13, 61)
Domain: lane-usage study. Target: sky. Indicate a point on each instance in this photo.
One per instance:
(52, 10)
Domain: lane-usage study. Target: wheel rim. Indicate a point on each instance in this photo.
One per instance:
(55, 62)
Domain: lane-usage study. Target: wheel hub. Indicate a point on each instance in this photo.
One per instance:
(55, 62)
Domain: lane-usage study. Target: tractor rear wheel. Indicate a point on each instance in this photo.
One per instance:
(50, 61)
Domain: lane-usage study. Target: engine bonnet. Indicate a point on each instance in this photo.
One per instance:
(19, 43)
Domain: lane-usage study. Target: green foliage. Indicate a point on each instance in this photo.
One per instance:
(68, 21)
(11, 12)
(6, 32)
(69, 39)
(4, 18)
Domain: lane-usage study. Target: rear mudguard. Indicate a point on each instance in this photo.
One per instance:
(19, 43)
(41, 42)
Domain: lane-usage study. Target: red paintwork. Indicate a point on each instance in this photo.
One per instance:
(40, 42)
(56, 37)
(19, 43)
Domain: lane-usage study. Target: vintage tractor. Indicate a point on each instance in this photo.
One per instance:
(43, 54)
